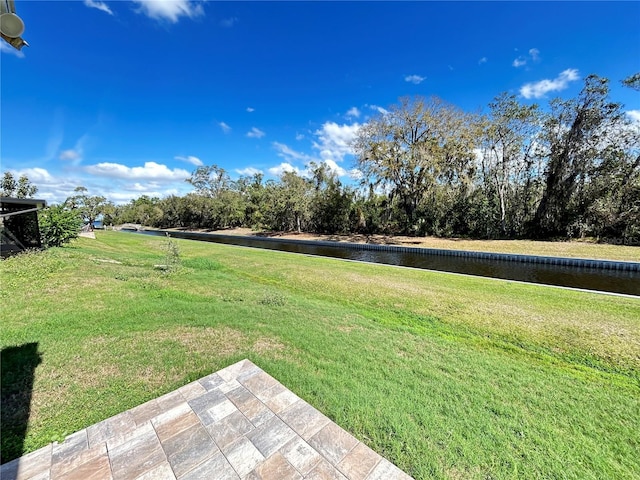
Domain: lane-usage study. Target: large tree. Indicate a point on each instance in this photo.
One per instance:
(89, 207)
(22, 188)
(413, 148)
(578, 134)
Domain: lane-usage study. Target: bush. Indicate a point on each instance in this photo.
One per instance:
(58, 225)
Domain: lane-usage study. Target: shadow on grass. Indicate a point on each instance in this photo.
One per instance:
(17, 370)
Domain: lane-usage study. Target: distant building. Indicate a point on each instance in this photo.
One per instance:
(19, 224)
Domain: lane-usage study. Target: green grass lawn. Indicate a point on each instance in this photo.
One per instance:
(445, 375)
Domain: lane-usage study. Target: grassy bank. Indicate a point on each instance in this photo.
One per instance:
(447, 376)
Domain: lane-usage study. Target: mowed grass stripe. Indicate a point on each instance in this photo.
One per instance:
(447, 376)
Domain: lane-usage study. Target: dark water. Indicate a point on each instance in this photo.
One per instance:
(585, 277)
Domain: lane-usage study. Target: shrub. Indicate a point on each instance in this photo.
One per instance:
(58, 225)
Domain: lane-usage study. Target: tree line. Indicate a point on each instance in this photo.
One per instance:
(429, 168)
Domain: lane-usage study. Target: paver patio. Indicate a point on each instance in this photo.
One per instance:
(237, 423)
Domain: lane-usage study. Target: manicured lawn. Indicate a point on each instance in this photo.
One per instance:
(447, 376)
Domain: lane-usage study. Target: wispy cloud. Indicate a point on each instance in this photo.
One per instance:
(75, 154)
(6, 48)
(415, 79)
(225, 128)
(299, 136)
(353, 112)
(249, 171)
(98, 5)
(535, 54)
(228, 22)
(255, 133)
(483, 60)
(251, 109)
(522, 60)
(290, 154)
(190, 159)
(150, 171)
(170, 10)
(541, 88)
(378, 109)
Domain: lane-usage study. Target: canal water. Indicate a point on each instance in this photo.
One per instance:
(604, 276)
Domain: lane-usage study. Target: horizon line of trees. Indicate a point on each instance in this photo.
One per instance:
(429, 168)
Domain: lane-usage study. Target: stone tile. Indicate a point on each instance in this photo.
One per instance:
(188, 449)
(66, 464)
(97, 468)
(192, 390)
(228, 386)
(243, 368)
(211, 382)
(174, 421)
(333, 443)
(116, 425)
(229, 429)
(217, 467)
(305, 420)
(252, 408)
(243, 456)
(275, 467)
(218, 412)
(325, 471)
(72, 446)
(118, 440)
(271, 436)
(145, 412)
(301, 455)
(34, 464)
(259, 382)
(161, 472)
(206, 401)
(170, 400)
(282, 400)
(385, 470)
(359, 462)
(137, 456)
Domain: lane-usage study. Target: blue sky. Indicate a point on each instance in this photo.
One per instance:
(127, 98)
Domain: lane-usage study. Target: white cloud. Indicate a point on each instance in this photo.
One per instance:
(170, 10)
(255, 133)
(335, 168)
(634, 115)
(99, 5)
(353, 112)
(335, 140)
(541, 88)
(535, 54)
(289, 154)
(483, 60)
(249, 171)
(6, 48)
(150, 171)
(415, 79)
(378, 109)
(76, 153)
(251, 109)
(228, 22)
(225, 128)
(190, 159)
(283, 167)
